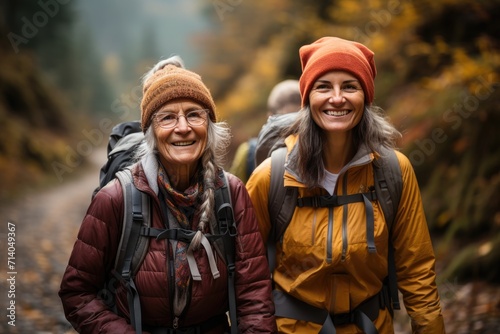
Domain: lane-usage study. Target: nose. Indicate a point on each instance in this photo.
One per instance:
(182, 124)
(336, 96)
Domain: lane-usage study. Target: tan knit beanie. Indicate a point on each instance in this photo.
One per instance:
(169, 83)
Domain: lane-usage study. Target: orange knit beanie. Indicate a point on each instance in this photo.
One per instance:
(332, 53)
(169, 83)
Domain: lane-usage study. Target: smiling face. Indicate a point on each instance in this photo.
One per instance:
(181, 146)
(337, 102)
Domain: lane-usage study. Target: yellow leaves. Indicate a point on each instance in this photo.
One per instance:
(32, 277)
(465, 68)
(378, 42)
(256, 82)
(485, 248)
(345, 9)
(443, 219)
(418, 48)
(466, 65)
(47, 245)
(43, 262)
(441, 47)
(34, 315)
(496, 219)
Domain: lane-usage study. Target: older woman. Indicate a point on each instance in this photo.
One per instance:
(179, 169)
(334, 259)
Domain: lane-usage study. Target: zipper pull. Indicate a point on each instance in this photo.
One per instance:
(175, 324)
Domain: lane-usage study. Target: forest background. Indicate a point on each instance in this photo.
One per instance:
(70, 70)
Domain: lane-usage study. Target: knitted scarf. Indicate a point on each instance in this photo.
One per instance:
(183, 207)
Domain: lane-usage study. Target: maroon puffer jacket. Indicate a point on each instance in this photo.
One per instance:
(93, 257)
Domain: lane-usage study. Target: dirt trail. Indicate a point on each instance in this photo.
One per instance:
(46, 225)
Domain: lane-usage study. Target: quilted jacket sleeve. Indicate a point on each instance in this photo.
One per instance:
(415, 258)
(84, 280)
(253, 281)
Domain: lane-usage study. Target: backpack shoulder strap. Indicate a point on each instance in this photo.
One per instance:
(281, 203)
(227, 228)
(132, 248)
(282, 200)
(389, 186)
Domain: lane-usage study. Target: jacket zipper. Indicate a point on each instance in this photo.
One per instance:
(169, 253)
(171, 275)
(329, 237)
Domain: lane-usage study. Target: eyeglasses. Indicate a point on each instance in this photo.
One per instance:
(168, 120)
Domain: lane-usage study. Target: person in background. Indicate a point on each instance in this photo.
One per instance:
(324, 259)
(178, 167)
(283, 99)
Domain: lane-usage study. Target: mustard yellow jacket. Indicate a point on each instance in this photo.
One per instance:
(340, 274)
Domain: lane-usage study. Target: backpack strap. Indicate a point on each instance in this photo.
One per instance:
(132, 248)
(389, 186)
(389, 183)
(281, 203)
(227, 228)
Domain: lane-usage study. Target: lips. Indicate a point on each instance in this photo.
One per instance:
(183, 143)
(337, 113)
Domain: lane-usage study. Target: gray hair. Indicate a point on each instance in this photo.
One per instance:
(174, 60)
(285, 93)
(212, 160)
(374, 130)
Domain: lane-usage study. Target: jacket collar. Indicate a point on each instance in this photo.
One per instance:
(150, 166)
(363, 156)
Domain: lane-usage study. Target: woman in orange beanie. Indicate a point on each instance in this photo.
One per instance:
(182, 283)
(333, 261)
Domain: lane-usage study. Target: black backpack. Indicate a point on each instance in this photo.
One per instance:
(137, 231)
(123, 141)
